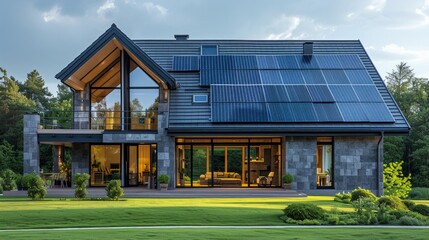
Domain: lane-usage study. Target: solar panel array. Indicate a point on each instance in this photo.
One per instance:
(288, 88)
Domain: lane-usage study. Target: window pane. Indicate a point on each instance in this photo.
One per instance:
(209, 50)
(324, 165)
(201, 175)
(138, 78)
(106, 109)
(105, 164)
(144, 108)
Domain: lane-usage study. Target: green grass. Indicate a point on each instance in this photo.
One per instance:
(21, 213)
(206, 234)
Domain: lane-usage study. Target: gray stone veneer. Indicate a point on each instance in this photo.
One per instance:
(301, 161)
(31, 144)
(80, 158)
(81, 103)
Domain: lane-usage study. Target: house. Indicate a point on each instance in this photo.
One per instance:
(224, 113)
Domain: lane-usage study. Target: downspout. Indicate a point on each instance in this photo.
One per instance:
(380, 190)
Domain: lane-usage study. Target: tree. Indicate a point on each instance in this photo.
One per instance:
(34, 88)
(394, 181)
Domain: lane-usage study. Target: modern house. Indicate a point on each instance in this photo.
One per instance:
(224, 113)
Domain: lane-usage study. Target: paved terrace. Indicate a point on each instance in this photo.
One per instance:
(176, 193)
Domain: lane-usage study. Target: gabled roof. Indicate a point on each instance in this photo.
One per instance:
(118, 38)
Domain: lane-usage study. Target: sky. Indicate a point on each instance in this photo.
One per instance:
(46, 35)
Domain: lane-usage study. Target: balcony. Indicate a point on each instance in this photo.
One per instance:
(100, 120)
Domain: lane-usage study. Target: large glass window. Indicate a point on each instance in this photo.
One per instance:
(324, 162)
(106, 107)
(225, 163)
(144, 99)
(105, 164)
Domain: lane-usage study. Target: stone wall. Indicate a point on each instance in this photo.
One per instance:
(80, 158)
(31, 144)
(166, 151)
(356, 163)
(301, 161)
(81, 103)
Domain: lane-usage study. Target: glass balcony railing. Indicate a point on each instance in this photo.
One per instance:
(100, 120)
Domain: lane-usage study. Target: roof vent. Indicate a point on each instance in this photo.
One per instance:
(308, 48)
(181, 37)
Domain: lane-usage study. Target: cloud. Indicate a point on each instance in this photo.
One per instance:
(52, 15)
(106, 7)
(376, 5)
(151, 7)
(413, 55)
(285, 27)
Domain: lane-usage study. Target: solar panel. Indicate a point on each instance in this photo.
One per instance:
(267, 62)
(352, 112)
(217, 77)
(327, 112)
(245, 62)
(377, 112)
(298, 93)
(335, 77)
(367, 93)
(280, 112)
(320, 93)
(186, 63)
(358, 77)
(270, 77)
(343, 93)
(313, 77)
(239, 112)
(248, 77)
(307, 62)
(303, 112)
(237, 94)
(292, 77)
(275, 93)
(328, 62)
(217, 62)
(287, 62)
(350, 62)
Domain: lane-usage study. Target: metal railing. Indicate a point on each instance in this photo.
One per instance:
(100, 120)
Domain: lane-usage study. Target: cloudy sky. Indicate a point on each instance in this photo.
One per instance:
(46, 35)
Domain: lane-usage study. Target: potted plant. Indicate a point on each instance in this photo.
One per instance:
(287, 180)
(163, 181)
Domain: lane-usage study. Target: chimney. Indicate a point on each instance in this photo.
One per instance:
(307, 48)
(181, 37)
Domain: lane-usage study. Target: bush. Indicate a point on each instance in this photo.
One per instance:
(36, 187)
(343, 197)
(8, 180)
(1, 186)
(392, 202)
(81, 182)
(114, 190)
(362, 193)
(18, 181)
(409, 204)
(26, 179)
(422, 209)
(164, 179)
(301, 222)
(303, 211)
(366, 209)
(287, 178)
(419, 194)
(409, 221)
(394, 181)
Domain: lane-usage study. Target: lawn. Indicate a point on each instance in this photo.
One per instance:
(21, 213)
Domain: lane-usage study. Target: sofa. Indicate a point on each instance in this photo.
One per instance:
(222, 179)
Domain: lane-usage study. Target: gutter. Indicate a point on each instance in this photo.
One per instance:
(380, 190)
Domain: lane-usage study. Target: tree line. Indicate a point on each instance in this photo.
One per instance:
(32, 95)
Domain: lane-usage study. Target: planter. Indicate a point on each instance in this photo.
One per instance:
(164, 186)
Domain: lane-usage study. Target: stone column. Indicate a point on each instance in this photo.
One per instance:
(58, 157)
(166, 159)
(80, 159)
(31, 144)
(81, 107)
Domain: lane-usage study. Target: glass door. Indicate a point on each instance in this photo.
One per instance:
(141, 165)
(132, 166)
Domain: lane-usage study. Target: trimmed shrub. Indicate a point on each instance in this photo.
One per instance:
(8, 180)
(419, 193)
(18, 181)
(422, 209)
(287, 178)
(114, 190)
(392, 202)
(343, 197)
(362, 193)
(81, 182)
(366, 209)
(36, 188)
(409, 204)
(303, 211)
(26, 180)
(164, 179)
(409, 221)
